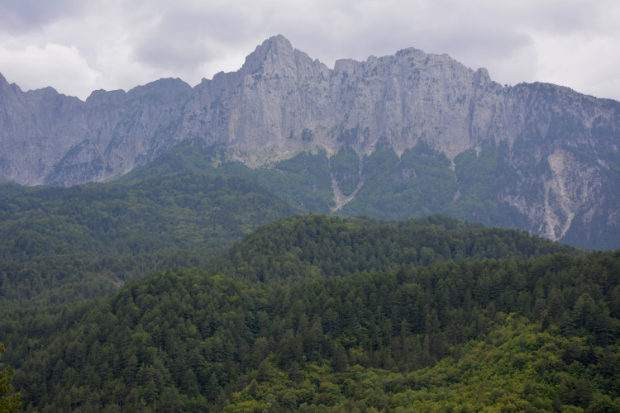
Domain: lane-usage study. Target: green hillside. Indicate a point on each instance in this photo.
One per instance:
(11, 188)
(299, 248)
(496, 335)
(517, 368)
(65, 244)
(418, 183)
(303, 181)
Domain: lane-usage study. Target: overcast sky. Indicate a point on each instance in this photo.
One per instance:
(77, 46)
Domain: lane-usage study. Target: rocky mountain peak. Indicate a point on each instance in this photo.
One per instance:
(281, 103)
(103, 98)
(161, 89)
(273, 54)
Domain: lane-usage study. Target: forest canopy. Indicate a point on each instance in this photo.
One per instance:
(65, 244)
(535, 335)
(298, 248)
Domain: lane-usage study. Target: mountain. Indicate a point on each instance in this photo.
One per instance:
(401, 136)
(418, 184)
(65, 244)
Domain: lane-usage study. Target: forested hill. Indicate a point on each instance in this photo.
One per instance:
(493, 335)
(64, 244)
(11, 188)
(417, 183)
(303, 181)
(299, 247)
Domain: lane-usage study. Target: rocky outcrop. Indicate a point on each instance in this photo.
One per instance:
(281, 102)
(569, 188)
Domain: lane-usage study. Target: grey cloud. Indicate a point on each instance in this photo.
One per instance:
(167, 53)
(190, 37)
(19, 16)
(565, 17)
(435, 33)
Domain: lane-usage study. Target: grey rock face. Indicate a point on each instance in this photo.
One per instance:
(281, 102)
(46, 137)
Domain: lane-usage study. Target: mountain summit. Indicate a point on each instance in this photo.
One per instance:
(559, 148)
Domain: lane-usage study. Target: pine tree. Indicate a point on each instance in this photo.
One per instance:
(213, 388)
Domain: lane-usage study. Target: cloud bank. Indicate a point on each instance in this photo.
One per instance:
(77, 46)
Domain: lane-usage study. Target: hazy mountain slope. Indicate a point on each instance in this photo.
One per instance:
(11, 188)
(578, 209)
(63, 244)
(303, 181)
(559, 148)
(420, 182)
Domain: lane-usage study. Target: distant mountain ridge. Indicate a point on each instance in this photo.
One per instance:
(553, 152)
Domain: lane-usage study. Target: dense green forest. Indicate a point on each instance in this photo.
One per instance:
(299, 248)
(12, 188)
(9, 400)
(420, 182)
(536, 335)
(303, 181)
(64, 244)
(417, 183)
(184, 292)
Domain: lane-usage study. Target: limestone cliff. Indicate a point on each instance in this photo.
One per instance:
(562, 145)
